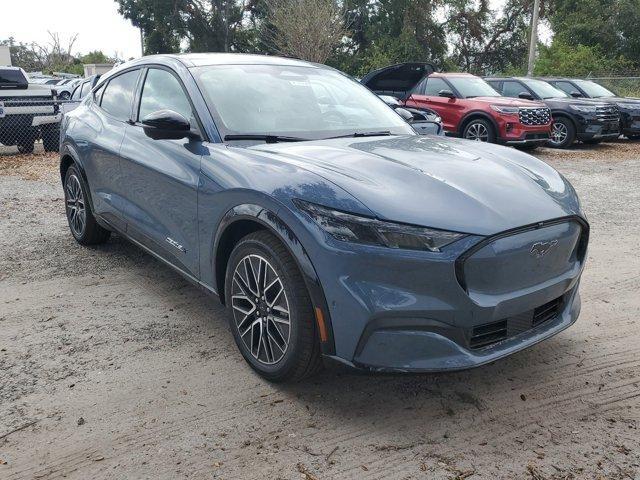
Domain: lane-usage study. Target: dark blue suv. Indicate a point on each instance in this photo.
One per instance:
(326, 224)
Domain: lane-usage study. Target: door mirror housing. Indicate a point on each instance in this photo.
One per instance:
(405, 114)
(446, 93)
(427, 127)
(525, 96)
(167, 125)
(575, 94)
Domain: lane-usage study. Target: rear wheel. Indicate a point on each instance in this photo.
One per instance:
(271, 313)
(563, 133)
(479, 130)
(82, 223)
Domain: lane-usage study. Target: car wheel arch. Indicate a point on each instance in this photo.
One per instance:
(477, 115)
(555, 115)
(242, 220)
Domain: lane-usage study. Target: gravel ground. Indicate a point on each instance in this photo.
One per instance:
(113, 367)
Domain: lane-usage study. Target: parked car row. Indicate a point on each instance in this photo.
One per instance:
(518, 111)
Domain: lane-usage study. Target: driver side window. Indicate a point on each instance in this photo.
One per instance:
(434, 86)
(513, 89)
(163, 91)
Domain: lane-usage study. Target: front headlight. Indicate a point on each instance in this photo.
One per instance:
(506, 110)
(585, 108)
(630, 106)
(356, 229)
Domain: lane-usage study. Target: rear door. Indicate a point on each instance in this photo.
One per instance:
(108, 122)
(451, 110)
(161, 176)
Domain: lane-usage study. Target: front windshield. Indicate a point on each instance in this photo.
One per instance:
(300, 101)
(544, 89)
(470, 87)
(593, 89)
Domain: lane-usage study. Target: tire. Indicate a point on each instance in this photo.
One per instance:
(51, 137)
(563, 133)
(479, 130)
(592, 141)
(64, 96)
(289, 352)
(82, 223)
(25, 146)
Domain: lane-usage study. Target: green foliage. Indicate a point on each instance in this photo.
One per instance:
(563, 59)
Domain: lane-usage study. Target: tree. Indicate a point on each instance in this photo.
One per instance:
(609, 25)
(305, 29)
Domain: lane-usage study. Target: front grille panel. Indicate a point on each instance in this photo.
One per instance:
(609, 113)
(494, 332)
(535, 116)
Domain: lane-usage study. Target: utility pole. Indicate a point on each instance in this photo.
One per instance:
(141, 42)
(533, 43)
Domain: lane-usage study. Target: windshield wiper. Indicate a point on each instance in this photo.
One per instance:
(382, 133)
(266, 138)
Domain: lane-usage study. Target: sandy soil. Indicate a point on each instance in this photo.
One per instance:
(113, 367)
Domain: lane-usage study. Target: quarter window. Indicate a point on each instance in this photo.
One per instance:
(163, 91)
(435, 86)
(118, 95)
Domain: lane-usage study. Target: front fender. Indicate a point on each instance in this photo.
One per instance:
(271, 221)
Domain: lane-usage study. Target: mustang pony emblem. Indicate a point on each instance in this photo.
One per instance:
(540, 249)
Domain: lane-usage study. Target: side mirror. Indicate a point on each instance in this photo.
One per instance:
(446, 93)
(525, 96)
(426, 127)
(405, 114)
(167, 125)
(576, 94)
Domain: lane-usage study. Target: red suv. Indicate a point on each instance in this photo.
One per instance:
(469, 106)
(472, 109)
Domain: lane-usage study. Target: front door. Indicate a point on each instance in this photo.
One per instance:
(449, 109)
(161, 176)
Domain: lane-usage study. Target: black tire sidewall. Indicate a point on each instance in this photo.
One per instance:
(283, 368)
(487, 124)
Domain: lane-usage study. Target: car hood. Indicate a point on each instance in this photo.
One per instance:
(577, 101)
(509, 102)
(450, 184)
(629, 100)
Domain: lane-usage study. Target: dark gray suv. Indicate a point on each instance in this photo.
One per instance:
(331, 229)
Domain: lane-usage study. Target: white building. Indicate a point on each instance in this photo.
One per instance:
(5, 55)
(96, 69)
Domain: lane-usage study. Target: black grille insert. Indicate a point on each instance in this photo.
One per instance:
(489, 333)
(494, 332)
(546, 312)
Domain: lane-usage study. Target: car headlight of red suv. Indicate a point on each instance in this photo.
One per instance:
(506, 110)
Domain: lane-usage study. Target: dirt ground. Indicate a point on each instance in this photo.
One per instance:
(114, 367)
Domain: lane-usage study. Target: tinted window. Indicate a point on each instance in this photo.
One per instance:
(594, 89)
(566, 87)
(10, 78)
(544, 89)
(118, 95)
(162, 91)
(513, 89)
(434, 86)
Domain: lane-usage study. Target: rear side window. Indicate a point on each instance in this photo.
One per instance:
(76, 93)
(513, 89)
(162, 91)
(434, 86)
(118, 95)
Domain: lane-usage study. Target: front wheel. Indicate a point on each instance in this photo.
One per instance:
(563, 133)
(480, 131)
(271, 313)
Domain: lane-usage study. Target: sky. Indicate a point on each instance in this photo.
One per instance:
(97, 22)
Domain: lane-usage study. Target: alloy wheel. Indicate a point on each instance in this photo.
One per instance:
(559, 133)
(477, 132)
(76, 210)
(261, 309)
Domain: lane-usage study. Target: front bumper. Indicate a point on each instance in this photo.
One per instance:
(592, 128)
(630, 121)
(515, 133)
(408, 311)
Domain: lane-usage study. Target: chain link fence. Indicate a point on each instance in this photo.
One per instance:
(621, 86)
(29, 123)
